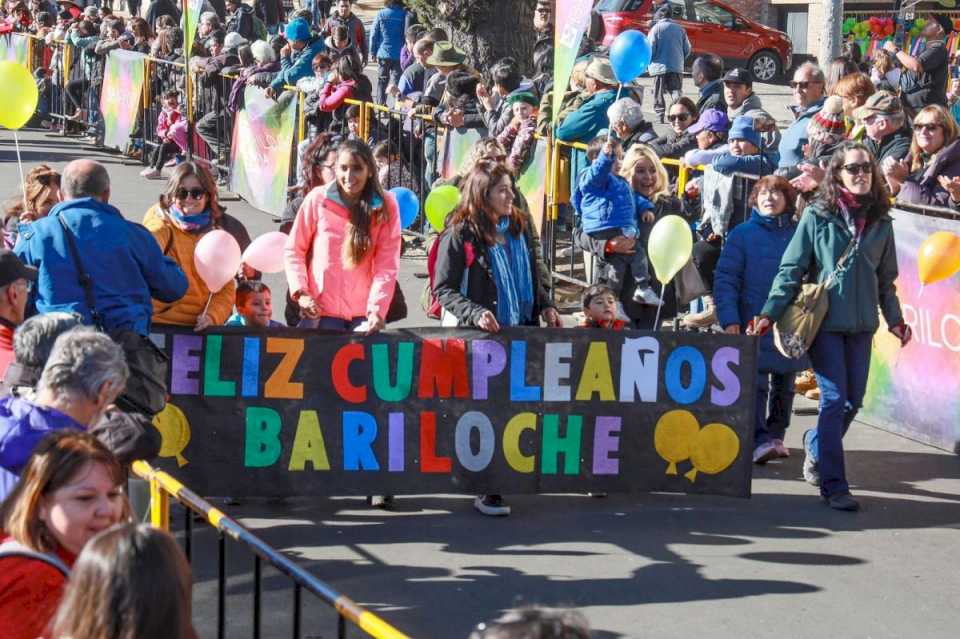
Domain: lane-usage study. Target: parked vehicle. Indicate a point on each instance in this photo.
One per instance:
(712, 26)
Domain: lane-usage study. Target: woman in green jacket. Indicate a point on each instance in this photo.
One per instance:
(850, 212)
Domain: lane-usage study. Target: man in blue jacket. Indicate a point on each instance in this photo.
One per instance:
(386, 42)
(296, 57)
(669, 47)
(809, 93)
(124, 263)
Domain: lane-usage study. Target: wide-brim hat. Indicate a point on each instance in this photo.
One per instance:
(601, 70)
(446, 54)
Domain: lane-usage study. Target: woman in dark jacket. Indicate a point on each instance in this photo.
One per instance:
(931, 174)
(681, 116)
(748, 263)
(486, 273)
(845, 237)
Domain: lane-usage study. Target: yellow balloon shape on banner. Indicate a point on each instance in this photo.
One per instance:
(175, 431)
(670, 246)
(938, 257)
(20, 93)
(713, 450)
(673, 437)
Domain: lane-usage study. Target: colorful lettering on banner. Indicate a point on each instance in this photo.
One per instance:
(900, 396)
(123, 77)
(14, 48)
(289, 412)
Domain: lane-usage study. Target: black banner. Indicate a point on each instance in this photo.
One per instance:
(286, 412)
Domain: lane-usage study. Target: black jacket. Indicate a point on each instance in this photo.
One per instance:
(674, 146)
(481, 292)
(895, 145)
(643, 134)
(712, 98)
(159, 8)
(241, 21)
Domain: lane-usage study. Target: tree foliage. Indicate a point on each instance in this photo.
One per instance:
(486, 30)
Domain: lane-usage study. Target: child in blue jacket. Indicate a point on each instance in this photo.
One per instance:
(608, 209)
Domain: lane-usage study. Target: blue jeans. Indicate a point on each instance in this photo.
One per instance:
(332, 323)
(774, 404)
(841, 363)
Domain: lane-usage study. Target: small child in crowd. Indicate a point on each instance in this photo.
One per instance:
(171, 134)
(518, 137)
(743, 152)
(608, 210)
(254, 306)
(600, 309)
(353, 122)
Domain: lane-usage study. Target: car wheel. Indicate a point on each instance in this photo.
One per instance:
(764, 66)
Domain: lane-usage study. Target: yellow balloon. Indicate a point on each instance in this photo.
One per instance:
(938, 257)
(20, 95)
(713, 450)
(175, 431)
(670, 246)
(673, 436)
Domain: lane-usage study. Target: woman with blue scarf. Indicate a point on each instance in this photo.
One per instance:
(486, 274)
(187, 210)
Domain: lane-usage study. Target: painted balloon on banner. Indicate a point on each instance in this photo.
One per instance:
(408, 205)
(670, 246)
(20, 95)
(673, 437)
(629, 55)
(713, 449)
(266, 252)
(217, 258)
(440, 203)
(938, 257)
(174, 432)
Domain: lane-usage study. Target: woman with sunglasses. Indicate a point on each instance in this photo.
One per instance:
(188, 210)
(845, 236)
(677, 141)
(930, 175)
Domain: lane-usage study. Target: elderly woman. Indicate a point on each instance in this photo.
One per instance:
(931, 174)
(627, 123)
(188, 210)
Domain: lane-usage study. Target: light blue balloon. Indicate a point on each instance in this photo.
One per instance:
(629, 55)
(408, 204)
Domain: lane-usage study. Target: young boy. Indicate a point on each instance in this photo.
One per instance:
(254, 306)
(600, 309)
(608, 211)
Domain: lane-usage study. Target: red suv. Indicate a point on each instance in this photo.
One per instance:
(712, 27)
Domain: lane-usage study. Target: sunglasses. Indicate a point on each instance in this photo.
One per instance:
(863, 168)
(678, 117)
(195, 194)
(926, 126)
(803, 85)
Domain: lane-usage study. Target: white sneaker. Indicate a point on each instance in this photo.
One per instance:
(151, 174)
(491, 505)
(764, 453)
(647, 297)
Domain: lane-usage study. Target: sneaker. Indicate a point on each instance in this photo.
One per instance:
(782, 451)
(380, 501)
(151, 174)
(171, 162)
(705, 318)
(843, 501)
(764, 453)
(647, 297)
(491, 505)
(811, 474)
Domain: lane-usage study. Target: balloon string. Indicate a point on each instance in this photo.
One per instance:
(656, 321)
(610, 128)
(205, 308)
(23, 182)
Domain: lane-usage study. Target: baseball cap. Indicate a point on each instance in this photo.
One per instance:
(710, 120)
(880, 103)
(739, 75)
(12, 269)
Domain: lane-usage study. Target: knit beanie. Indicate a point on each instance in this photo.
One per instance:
(298, 30)
(829, 121)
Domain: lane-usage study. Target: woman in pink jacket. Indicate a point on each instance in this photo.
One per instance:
(343, 252)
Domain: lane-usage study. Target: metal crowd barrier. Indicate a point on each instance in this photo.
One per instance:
(164, 489)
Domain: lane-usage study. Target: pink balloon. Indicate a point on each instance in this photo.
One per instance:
(266, 252)
(217, 258)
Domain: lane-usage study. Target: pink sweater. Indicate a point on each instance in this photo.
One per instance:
(314, 264)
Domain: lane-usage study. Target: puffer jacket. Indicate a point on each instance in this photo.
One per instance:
(746, 269)
(923, 188)
(604, 200)
(180, 246)
(387, 34)
(314, 263)
(866, 284)
(298, 65)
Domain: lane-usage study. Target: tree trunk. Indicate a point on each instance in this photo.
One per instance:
(486, 30)
(832, 26)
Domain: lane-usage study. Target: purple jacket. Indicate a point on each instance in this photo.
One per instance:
(923, 188)
(22, 426)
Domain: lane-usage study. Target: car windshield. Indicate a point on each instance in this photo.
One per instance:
(709, 12)
(613, 6)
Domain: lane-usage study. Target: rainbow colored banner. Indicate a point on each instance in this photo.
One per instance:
(262, 142)
(123, 76)
(190, 19)
(915, 391)
(572, 20)
(14, 47)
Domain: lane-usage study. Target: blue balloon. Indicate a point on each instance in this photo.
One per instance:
(629, 55)
(408, 203)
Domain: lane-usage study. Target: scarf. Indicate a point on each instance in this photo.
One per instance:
(511, 273)
(853, 208)
(189, 223)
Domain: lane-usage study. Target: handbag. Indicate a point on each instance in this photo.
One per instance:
(146, 389)
(794, 332)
